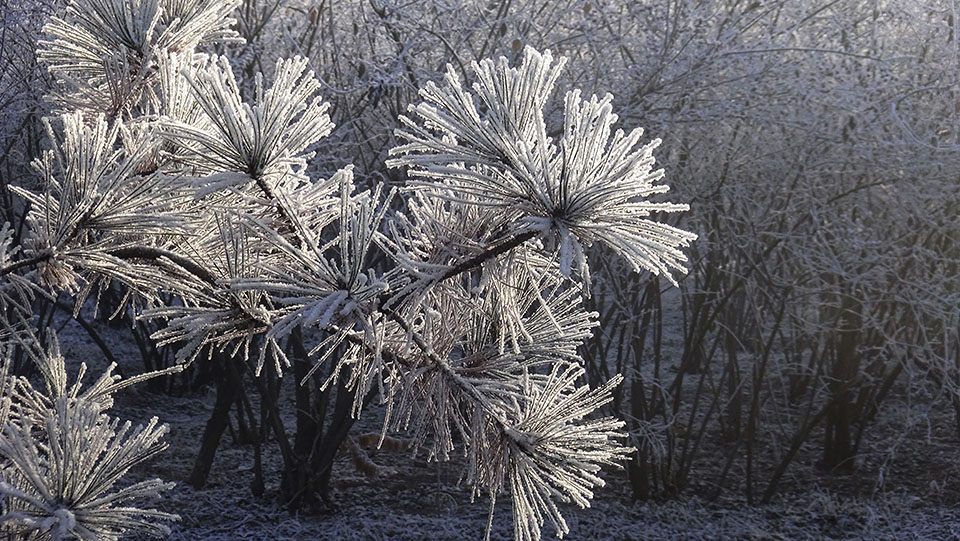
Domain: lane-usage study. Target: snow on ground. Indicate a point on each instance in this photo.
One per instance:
(414, 500)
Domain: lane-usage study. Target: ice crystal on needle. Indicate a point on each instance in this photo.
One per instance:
(61, 457)
(490, 147)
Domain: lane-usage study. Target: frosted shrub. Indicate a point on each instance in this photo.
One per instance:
(456, 298)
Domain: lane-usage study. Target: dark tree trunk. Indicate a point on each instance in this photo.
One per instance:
(838, 448)
(228, 383)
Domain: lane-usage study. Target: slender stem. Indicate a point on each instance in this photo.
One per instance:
(392, 300)
(129, 252)
(455, 378)
(272, 196)
(148, 252)
(39, 258)
(487, 255)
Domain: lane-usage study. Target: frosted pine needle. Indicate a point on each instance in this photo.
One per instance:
(262, 142)
(62, 456)
(548, 452)
(104, 51)
(592, 186)
(327, 285)
(64, 486)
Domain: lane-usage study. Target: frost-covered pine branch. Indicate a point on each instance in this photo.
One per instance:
(549, 453)
(105, 53)
(241, 143)
(61, 456)
(98, 204)
(327, 285)
(490, 147)
(461, 307)
(245, 165)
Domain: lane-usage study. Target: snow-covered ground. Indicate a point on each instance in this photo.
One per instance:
(410, 499)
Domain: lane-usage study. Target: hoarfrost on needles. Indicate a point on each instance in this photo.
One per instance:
(461, 308)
